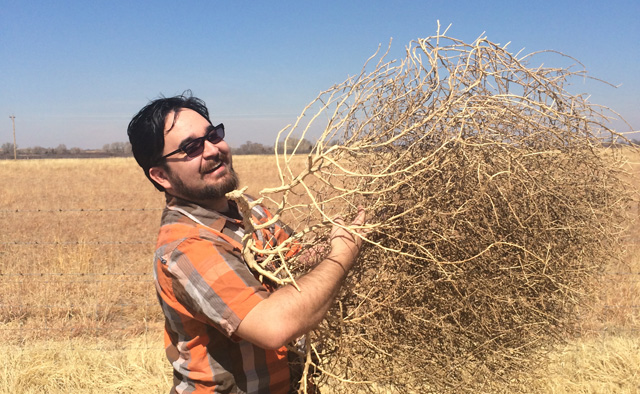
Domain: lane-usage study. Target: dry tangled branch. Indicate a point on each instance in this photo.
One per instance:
(492, 202)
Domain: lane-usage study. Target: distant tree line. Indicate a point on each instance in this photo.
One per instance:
(254, 148)
(118, 148)
(123, 149)
(61, 151)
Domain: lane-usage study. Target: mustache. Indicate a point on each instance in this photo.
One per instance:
(212, 164)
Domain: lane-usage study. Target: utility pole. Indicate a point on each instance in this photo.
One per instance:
(15, 153)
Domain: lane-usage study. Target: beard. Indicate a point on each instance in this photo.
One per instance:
(227, 183)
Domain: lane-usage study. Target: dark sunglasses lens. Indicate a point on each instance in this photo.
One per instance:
(216, 135)
(194, 148)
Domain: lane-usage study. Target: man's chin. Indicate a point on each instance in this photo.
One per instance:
(227, 183)
(211, 191)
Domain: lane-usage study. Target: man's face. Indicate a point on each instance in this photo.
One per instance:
(209, 175)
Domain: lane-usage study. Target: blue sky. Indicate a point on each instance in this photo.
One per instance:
(75, 72)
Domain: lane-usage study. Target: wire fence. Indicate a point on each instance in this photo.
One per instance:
(50, 297)
(79, 276)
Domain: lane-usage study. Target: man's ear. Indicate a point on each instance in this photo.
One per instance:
(159, 175)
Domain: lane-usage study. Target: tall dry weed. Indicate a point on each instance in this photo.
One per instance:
(495, 205)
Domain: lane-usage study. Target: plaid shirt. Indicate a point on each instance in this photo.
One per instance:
(205, 290)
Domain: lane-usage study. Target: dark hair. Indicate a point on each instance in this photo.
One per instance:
(146, 129)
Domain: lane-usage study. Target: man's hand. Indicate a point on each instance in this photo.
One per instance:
(345, 245)
(289, 313)
(341, 242)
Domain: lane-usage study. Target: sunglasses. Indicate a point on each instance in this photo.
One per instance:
(195, 147)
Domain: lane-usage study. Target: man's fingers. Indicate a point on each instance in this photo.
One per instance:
(345, 240)
(360, 218)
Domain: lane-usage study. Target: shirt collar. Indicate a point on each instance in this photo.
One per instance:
(208, 217)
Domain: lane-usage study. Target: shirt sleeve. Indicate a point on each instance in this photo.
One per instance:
(277, 233)
(210, 281)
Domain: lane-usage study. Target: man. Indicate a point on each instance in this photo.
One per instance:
(225, 331)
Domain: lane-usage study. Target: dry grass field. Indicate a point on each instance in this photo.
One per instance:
(78, 311)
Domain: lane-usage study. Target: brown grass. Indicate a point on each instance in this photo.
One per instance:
(78, 310)
(607, 364)
(86, 365)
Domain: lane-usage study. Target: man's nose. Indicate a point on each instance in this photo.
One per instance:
(210, 149)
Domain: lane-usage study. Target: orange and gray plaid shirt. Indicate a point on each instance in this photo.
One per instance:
(205, 289)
